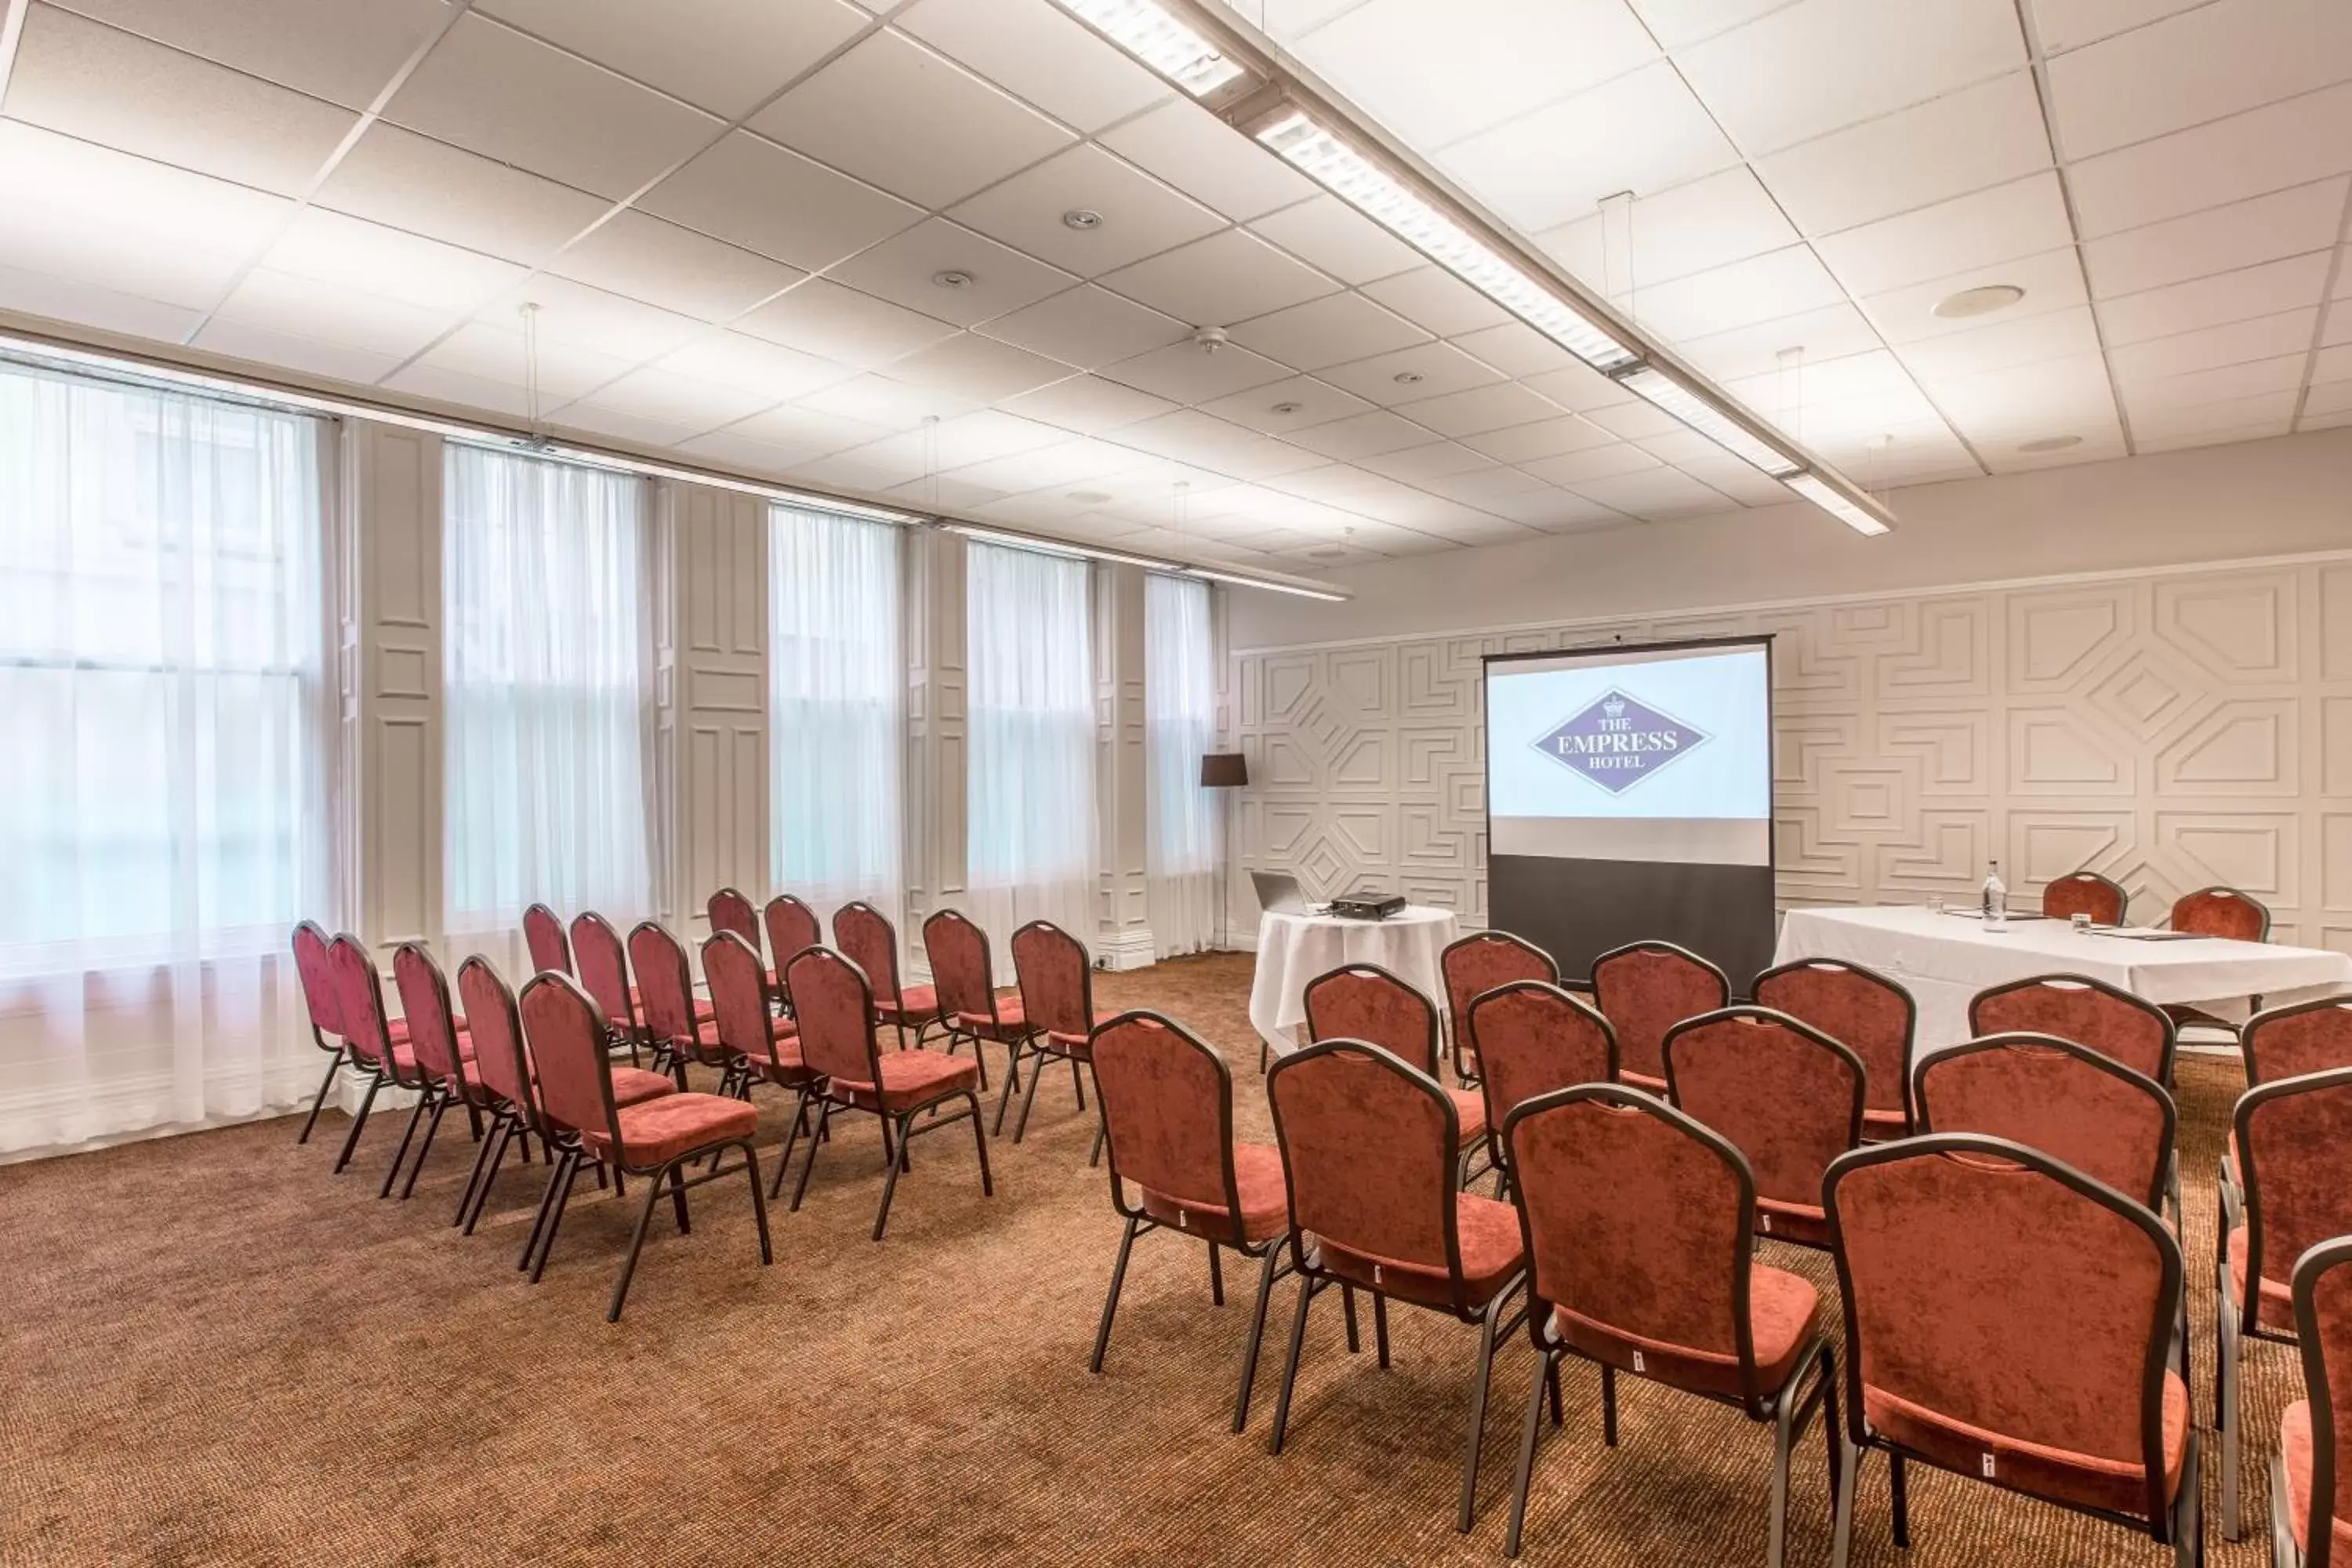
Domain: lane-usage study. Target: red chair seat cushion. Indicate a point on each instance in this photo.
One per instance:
(404, 1056)
(787, 1067)
(1079, 1046)
(2294, 1447)
(2061, 1474)
(916, 1005)
(1647, 1085)
(2277, 1311)
(1806, 1224)
(1492, 1257)
(911, 1079)
(1882, 1124)
(635, 1086)
(1783, 1317)
(398, 1027)
(1009, 1023)
(1470, 1105)
(705, 1011)
(1265, 1200)
(656, 1132)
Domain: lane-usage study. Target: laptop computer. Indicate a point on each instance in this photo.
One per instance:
(1278, 891)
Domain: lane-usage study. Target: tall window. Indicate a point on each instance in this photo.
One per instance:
(837, 671)
(546, 616)
(1030, 820)
(1179, 718)
(162, 804)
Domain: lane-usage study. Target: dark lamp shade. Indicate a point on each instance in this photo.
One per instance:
(1224, 770)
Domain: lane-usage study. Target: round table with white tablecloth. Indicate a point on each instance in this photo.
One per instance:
(1293, 949)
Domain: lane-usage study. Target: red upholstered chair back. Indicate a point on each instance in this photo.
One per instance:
(1057, 984)
(665, 986)
(1788, 1096)
(424, 1004)
(2222, 911)
(2295, 1138)
(834, 1007)
(318, 978)
(865, 936)
(1367, 1147)
(792, 926)
(1990, 1285)
(2300, 1038)
(1535, 1038)
(961, 974)
(1365, 1002)
(730, 910)
(1859, 1008)
(2322, 1320)
(1638, 1219)
(359, 1002)
(2071, 1102)
(1482, 961)
(542, 937)
(1168, 1108)
(496, 1029)
(2085, 893)
(739, 995)
(567, 1046)
(1645, 988)
(604, 970)
(2085, 1011)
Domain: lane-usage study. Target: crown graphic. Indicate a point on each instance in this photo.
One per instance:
(1614, 706)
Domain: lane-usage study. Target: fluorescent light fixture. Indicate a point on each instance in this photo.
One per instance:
(1151, 35)
(592, 457)
(1055, 546)
(1362, 184)
(1666, 393)
(1328, 595)
(1819, 491)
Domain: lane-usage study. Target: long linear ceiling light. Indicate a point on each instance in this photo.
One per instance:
(1244, 81)
(1006, 537)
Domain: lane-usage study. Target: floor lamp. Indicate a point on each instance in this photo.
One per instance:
(1224, 772)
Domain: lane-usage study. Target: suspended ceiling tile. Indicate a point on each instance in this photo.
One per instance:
(1285, 408)
(1762, 288)
(1983, 136)
(352, 253)
(1139, 216)
(1087, 327)
(410, 182)
(980, 369)
(1362, 436)
(906, 270)
(1830, 332)
(1327, 233)
(1228, 277)
(1087, 404)
(341, 50)
(1326, 332)
(1035, 50)
(2272, 339)
(775, 373)
(2023, 217)
(2197, 66)
(1708, 223)
(1481, 410)
(2288, 223)
(590, 318)
(2263, 150)
(833, 321)
(721, 54)
(767, 198)
(2052, 281)
(1188, 374)
(1405, 375)
(2214, 299)
(677, 268)
(1208, 161)
(1436, 300)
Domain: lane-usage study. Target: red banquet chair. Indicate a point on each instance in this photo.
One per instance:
(543, 938)
(317, 977)
(1369, 1148)
(761, 1047)
(1645, 988)
(656, 1138)
(2287, 1042)
(2223, 912)
(2074, 1104)
(729, 911)
(2086, 1011)
(1475, 965)
(1365, 1002)
(443, 1050)
(369, 1036)
(1864, 1011)
(604, 975)
(964, 980)
(1788, 1096)
(1058, 1017)
(2011, 1319)
(2085, 893)
(793, 927)
(681, 1028)
(2295, 1157)
(2311, 1492)
(1639, 1226)
(1536, 1037)
(866, 938)
(1167, 1099)
(836, 1010)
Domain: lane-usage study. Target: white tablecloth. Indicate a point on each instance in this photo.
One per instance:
(1946, 959)
(1294, 949)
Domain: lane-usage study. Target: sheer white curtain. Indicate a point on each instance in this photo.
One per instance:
(1030, 754)
(548, 722)
(161, 800)
(1179, 718)
(837, 673)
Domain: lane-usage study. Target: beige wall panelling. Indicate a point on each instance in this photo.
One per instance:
(1122, 934)
(934, 805)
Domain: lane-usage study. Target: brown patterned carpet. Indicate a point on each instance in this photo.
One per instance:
(214, 1353)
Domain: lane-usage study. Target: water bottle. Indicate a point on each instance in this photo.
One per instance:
(1993, 899)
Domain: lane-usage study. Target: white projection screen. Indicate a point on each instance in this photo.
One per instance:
(1629, 797)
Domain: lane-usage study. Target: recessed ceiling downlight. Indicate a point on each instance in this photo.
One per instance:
(952, 279)
(1090, 498)
(2050, 444)
(1082, 219)
(1982, 301)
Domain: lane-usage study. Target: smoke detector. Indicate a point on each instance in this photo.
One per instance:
(952, 279)
(1082, 219)
(1210, 339)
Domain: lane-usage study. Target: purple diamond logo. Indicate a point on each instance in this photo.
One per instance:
(1618, 742)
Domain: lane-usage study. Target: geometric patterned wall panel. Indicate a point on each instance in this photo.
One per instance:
(2171, 730)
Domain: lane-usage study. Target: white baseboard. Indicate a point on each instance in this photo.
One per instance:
(1126, 950)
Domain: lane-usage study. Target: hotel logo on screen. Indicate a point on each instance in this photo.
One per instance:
(1618, 742)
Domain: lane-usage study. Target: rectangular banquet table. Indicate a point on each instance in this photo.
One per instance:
(1293, 949)
(1946, 959)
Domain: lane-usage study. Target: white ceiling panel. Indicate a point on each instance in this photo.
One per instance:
(767, 198)
(1035, 50)
(834, 323)
(1228, 277)
(334, 313)
(414, 182)
(1283, 408)
(1983, 136)
(1762, 288)
(2065, 24)
(1580, 468)
(2052, 281)
(2331, 364)
(91, 81)
(1707, 222)
(1516, 349)
(730, 448)
(1362, 436)
(914, 123)
(1545, 438)
(1554, 166)
(1816, 67)
(772, 371)
(493, 352)
(1070, 462)
(2329, 398)
(2178, 411)
(1832, 332)
(1329, 234)
(721, 54)
(60, 291)
(1088, 328)
(2286, 223)
(1481, 410)
(492, 91)
(1208, 161)
(2023, 217)
(2198, 437)
(2200, 65)
(1579, 389)
(1187, 374)
(2003, 342)
(590, 318)
(1678, 24)
(894, 406)
(243, 340)
(806, 430)
(906, 270)
(1629, 420)
(1655, 493)
(1326, 332)
(687, 402)
(980, 369)
(2270, 149)
(1087, 404)
(2266, 338)
(1434, 299)
(2053, 397)
(2212, 301)
(1439, 459)
(352, 253)
(341, 50)
(1140, 216)
(674, 268)
(1407, 375)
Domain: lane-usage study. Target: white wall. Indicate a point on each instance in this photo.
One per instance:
(2107, 667)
